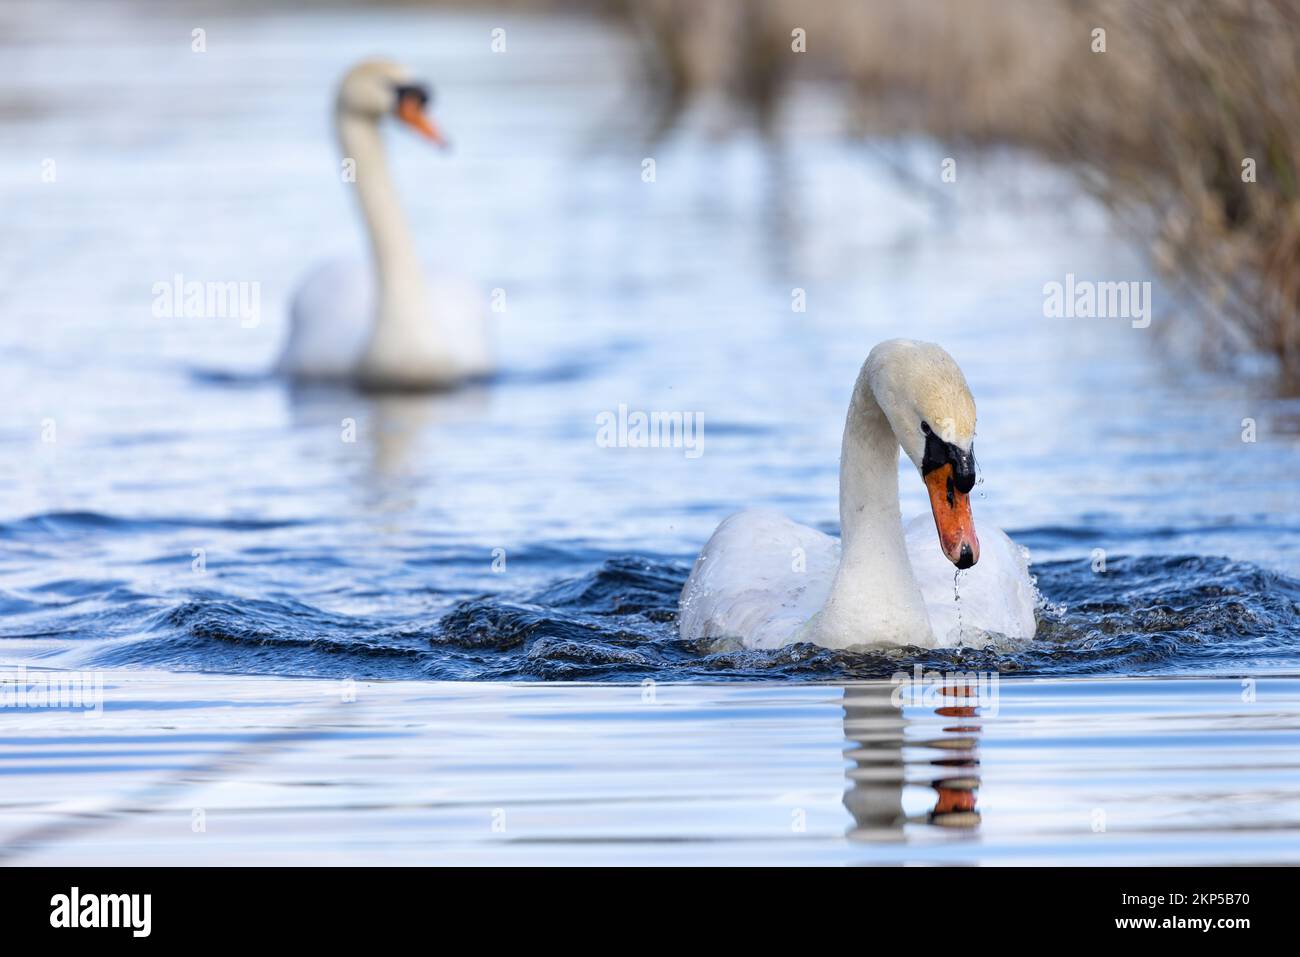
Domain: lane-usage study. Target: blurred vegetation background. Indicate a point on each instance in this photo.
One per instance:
(1184, 115)
(1186, 121)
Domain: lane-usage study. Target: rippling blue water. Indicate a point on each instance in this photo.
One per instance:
(486, 535)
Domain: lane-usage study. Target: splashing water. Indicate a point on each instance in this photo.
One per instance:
(1167, 615)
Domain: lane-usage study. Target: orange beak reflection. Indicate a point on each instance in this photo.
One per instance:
(952, 517)
(410, 110)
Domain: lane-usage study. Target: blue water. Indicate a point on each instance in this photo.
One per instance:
(165, 505)
(285, 771)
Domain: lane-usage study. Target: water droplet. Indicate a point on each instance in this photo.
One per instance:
(956, 597)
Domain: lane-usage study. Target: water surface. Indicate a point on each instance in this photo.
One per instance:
(207, 770)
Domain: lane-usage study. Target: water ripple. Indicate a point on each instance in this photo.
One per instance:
(1150, 615)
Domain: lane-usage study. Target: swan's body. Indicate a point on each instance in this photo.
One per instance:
(331, 321)
(383, 325)
(769, 581)
(745, 585)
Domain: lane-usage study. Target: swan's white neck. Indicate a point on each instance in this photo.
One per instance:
(401, 296)
(874, 597)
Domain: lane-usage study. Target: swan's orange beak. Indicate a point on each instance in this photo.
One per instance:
(410, 110)
(952, 517)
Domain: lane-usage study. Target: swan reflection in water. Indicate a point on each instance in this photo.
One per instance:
(398, 432)
(944, 739)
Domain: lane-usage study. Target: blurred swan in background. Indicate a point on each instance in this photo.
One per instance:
(769, 581)
(381, 325)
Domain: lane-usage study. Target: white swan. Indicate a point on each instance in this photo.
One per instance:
(769, 581)
(383, 326)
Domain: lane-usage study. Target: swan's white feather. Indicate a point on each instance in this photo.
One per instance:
(332, 316)
(747, 583)
(330, 320)
(996, 596)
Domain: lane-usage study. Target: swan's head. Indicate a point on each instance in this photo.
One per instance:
(374, 89)
(929, 406)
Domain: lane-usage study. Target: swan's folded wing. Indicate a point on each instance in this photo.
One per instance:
(996, 596)
(759, 579)
(329, 321)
